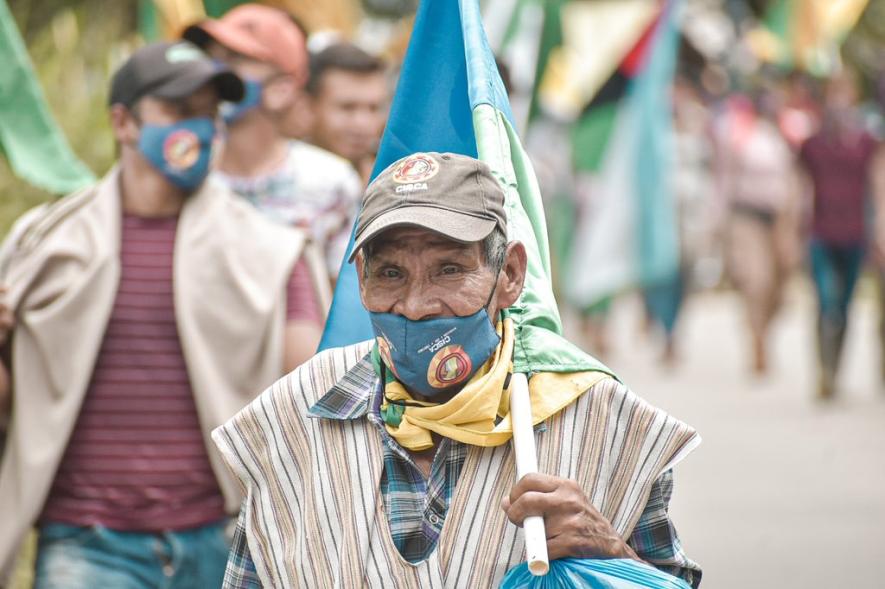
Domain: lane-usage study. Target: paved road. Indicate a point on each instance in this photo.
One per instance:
(785, 492)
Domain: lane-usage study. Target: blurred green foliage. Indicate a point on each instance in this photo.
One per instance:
(74, 46)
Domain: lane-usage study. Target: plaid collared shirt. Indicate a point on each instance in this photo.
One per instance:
(416, 506)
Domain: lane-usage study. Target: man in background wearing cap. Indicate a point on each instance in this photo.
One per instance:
(349, 93)
(291, 181)
(148, 309)
(378, 461)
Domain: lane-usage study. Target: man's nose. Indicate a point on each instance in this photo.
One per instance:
(418, 302)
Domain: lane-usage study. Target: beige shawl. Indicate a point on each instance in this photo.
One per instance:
(61, 266)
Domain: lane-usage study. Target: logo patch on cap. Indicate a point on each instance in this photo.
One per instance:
(183, 52)
(449, 366)
(414, 169)
(182, 149)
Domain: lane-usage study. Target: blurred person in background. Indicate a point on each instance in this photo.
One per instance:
(291, 181)
(799, 115)
(838, 163)
(757, 176)
(692, 186)
(139, 314)
(297, 122)
(349, 95)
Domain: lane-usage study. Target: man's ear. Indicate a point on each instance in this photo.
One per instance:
(512, 276)
(360, 262)
(124, 125)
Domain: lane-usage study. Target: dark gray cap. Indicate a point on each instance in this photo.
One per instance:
(451, 194)
(172, 71)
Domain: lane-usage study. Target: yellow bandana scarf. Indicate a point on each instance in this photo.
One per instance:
(471, 414)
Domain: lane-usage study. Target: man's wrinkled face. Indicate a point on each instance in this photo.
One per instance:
(349, 112)
(420, 274)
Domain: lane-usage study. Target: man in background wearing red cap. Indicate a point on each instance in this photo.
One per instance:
(138, 314)
(291, 181)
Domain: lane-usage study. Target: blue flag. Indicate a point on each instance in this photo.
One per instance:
(451, 98)
(431, 111)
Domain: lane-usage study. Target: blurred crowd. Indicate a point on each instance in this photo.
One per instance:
(779, 178)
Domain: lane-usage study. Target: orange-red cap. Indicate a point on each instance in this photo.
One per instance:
(260, 32)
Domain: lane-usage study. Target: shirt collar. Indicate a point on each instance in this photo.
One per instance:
(350, 397)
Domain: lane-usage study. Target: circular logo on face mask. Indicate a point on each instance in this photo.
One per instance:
(384, 351)
(417, 168)
(450, 366)
(181, 149)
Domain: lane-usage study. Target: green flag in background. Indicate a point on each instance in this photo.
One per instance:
(805, 34)
(34, 146)
(613, 75)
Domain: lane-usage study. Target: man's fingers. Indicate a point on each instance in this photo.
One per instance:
(537, 482)
(530, 503)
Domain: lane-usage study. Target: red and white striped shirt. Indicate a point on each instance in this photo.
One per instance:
(136, 460)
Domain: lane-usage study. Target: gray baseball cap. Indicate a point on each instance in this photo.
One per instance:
(172, 71)
(451, 194)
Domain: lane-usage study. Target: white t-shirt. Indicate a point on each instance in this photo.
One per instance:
(312, 189)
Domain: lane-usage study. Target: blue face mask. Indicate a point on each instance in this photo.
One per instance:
(181, 151)
(432, 356)
(231, 112)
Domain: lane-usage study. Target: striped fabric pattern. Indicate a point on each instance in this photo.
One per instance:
(136, 459)
(314, 514)
(416, 507)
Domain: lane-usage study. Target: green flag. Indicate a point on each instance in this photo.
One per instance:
(34, 146)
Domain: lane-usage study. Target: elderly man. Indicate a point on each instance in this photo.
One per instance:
(375, 463)
(142, 312)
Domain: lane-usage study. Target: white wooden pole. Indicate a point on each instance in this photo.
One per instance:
(526, 463)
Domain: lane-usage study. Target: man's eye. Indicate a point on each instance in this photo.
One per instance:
(450, 269)
(389, 273)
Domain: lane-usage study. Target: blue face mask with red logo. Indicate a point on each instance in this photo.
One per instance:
(433, 356)
(181, 151)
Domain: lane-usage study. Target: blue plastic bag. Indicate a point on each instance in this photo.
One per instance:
(569, 573)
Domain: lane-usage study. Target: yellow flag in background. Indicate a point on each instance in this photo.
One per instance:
(596, 37)
(315, 15)
(175, 15)
(806, 33)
